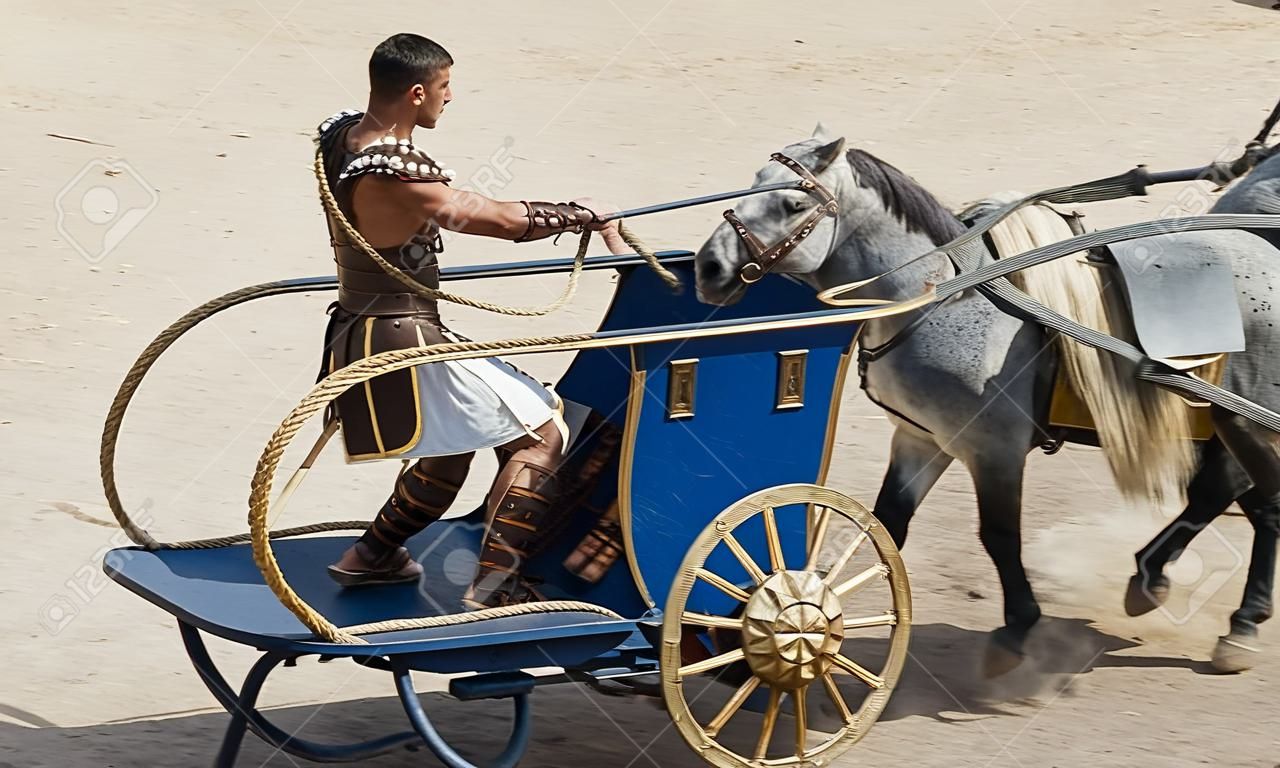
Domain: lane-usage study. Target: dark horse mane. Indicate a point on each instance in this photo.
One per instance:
(903, 196)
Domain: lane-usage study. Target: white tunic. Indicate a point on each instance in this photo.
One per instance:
(472, 405)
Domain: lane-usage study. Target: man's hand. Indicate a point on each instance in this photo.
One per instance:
(600, 209)
(609, 230)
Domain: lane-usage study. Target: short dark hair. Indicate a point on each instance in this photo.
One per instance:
(404, 60)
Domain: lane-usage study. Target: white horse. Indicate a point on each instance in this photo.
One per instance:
(970, 382)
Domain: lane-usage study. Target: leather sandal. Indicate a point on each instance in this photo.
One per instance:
(395, 567)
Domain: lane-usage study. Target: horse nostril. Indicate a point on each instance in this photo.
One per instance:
(710, 270)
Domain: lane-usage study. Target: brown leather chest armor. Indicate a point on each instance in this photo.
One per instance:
(375, 312)
(363, 287)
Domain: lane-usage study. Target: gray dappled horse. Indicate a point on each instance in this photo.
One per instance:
(967, 381)
(1221, 480)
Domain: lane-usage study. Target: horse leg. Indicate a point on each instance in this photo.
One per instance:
(1258, 452)
(915, 464)
(999, 490)
(1216, 485)
(1256, 606)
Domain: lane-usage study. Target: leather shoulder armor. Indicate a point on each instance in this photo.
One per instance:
(400, 159)
(328, 129)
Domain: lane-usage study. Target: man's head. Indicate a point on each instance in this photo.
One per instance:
(409, 72)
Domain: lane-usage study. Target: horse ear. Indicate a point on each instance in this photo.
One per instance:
(827, 154)
(820, 132)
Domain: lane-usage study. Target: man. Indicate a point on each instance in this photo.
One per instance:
(399, 198)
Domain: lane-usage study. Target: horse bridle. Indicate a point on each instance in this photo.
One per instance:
(763, 259)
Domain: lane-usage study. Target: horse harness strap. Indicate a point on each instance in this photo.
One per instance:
(988, 280)
(866, 355)
(763, 259)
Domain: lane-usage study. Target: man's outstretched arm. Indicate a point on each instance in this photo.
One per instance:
(471, 213)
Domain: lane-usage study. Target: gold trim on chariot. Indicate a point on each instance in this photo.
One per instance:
(635, 404)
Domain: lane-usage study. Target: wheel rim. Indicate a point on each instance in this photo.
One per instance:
(791, 624)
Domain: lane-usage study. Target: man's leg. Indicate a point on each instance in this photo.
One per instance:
(521, 503)
(422, 495)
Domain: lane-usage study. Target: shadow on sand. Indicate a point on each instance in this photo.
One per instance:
(942, 681)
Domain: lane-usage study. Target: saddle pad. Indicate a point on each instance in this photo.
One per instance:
(1068, 409)
(1182, 296)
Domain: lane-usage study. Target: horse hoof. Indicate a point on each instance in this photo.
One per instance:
(1234, 653)
(1145, 595)
(1003, 655)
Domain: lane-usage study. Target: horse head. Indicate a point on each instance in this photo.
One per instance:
(773, 217)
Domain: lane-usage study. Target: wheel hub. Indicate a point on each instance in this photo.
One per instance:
(792, 626)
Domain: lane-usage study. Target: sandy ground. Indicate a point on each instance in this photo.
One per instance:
(211, 104)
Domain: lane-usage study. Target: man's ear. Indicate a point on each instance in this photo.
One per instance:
(827, 154)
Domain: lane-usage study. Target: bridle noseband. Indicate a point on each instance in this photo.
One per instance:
(763, 259)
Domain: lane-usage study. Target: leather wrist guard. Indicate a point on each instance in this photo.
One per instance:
(546, 219)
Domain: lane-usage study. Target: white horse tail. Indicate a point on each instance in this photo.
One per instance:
(1144, 431)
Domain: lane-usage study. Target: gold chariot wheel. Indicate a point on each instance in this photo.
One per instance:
(831, 630)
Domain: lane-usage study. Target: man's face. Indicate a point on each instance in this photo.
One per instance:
(435, 94)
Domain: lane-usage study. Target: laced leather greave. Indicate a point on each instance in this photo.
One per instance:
(423, 493)
(599, 549)
(522, 503)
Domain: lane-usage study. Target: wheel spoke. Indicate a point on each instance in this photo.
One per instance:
(715, 662)
(843, 560)
(886, 619)
(858, 671)
(706, 620)
(757, 575)
(770, 718)
(775, 542)
(802, 720)
(723, 585)
(732, 706)
(877, 571)
(837, 698)
(818, 539)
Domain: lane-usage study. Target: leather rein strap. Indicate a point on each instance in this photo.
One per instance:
(763, 259)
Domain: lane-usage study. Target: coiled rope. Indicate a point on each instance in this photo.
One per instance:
(124, 395)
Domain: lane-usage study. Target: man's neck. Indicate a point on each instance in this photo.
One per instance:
(378, 123)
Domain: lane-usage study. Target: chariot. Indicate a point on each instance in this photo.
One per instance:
(727, 419)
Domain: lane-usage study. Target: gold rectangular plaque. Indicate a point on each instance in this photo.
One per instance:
(791, 378)
(681, 388)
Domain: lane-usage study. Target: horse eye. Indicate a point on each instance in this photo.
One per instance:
(798, 205)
